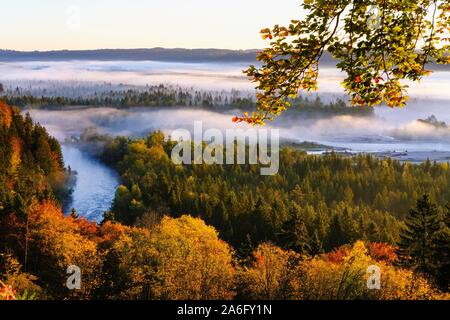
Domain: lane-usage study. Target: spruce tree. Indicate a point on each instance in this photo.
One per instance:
(336, 236)
(417, 245)
(294, 234)
(316, 244)
(442, 251)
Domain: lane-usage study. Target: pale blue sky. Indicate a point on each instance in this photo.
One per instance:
(50, 25)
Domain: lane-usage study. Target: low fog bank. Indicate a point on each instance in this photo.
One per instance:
(129, 122)
(206, 76)
(389, 129)
(209, 76)
(377, 133)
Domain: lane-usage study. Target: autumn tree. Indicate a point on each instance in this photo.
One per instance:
(339, 276)
(57, 242)
(22, 283)
(192, 261)
(272, 275)
(376, 43)
(382, 252)
(179, 259)
(342, 275)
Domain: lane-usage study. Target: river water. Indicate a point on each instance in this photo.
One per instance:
(95, 184)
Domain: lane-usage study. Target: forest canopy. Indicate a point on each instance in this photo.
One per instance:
(314, 204)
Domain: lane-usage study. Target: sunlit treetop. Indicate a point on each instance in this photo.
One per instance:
(377, 43)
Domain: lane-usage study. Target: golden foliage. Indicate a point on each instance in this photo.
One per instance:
(273, 274)
(23, 284)
(339, 275)
(347, 279)
(60, 239)
(5, 115)
(16, 151)
(7, 292)
(180, 259)
(193, 262)
(402, 284)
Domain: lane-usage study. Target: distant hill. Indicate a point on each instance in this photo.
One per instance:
(156, 54)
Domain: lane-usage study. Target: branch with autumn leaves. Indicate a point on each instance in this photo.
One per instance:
(376, 57)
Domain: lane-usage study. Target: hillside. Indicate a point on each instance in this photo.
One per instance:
(156, 54)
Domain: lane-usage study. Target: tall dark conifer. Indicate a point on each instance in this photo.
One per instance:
(417, 245)
(294, 234)
(336, 235)
(442, 251)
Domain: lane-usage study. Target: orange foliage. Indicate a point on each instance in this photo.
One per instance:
(5, 114)
(347, 279)
(109, 233)
(16, 148)
(338, 255)
(377, 250)
(7, 292)
(86, 228)
(338, 275)
(382, 252)
(46, 209)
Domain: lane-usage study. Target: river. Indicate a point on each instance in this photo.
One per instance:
(95, 184)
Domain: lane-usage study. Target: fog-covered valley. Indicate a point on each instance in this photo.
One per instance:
(93, 78)
(405, 133)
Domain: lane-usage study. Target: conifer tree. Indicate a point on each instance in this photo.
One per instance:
(417, 245)
(336, 236)
(316, 244)
(294, 234)
(442, 251)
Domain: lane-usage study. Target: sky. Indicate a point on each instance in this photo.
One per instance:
(91, 24)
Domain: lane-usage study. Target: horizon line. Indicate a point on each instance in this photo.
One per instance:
(136, 48)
